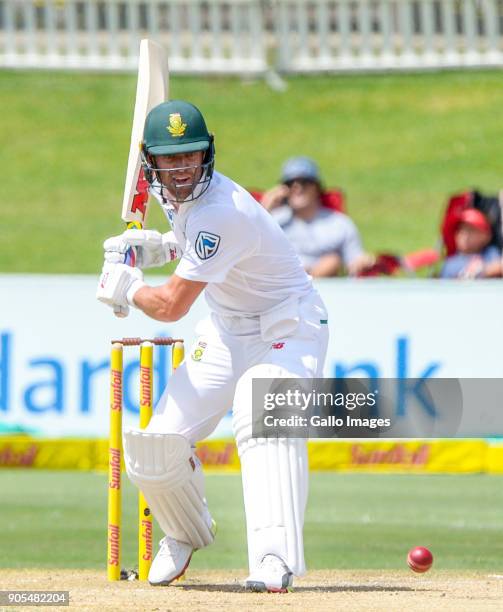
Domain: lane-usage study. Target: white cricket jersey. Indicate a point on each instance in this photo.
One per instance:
(230, 242)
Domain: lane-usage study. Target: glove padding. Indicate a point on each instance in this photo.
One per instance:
(152, 248)
(118, 284)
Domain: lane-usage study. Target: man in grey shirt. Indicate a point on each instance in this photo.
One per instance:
(326, 241)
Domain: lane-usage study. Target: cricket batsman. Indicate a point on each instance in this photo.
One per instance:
(265, 321)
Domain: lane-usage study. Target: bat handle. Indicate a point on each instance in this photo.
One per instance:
(130, 257)
(129, 260)
(121, 311)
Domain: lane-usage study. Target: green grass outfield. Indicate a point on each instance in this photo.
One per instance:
(397, 144)
(58, 519)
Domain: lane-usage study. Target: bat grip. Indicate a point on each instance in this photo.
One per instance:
(121, 311)
(129, 260)
(130, 257)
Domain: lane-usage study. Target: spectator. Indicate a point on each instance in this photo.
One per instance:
(474, 257)
(326, 241)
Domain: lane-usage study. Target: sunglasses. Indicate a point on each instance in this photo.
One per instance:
(303, 182)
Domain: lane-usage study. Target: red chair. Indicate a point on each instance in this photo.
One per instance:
(457, 203)
(491, 206)
(334, 199)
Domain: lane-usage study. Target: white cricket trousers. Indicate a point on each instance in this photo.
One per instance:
(216, 376)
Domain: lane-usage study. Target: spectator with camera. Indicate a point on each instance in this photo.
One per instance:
(327, 242)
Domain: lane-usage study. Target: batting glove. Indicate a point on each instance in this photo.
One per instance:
(150, 248)
(118, 284)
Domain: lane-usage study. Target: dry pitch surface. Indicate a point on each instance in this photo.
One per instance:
(319, 590)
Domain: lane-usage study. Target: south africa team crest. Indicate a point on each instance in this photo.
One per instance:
(176, 125)
(197, 353)
(207, 244)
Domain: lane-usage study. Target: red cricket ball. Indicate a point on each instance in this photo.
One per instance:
(419, 559)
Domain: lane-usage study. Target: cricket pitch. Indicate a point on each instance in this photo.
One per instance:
(362, 590)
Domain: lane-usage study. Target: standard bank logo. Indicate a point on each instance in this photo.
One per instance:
(207, 245)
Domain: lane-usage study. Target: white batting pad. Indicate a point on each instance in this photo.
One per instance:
(275, 482)
(164, 468)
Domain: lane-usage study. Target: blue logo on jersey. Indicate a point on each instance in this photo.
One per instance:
(207, 245)
(170, 216)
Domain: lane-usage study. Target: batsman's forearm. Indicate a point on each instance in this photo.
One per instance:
(159, 304)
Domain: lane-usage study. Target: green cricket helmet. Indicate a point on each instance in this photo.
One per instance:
(172, 128)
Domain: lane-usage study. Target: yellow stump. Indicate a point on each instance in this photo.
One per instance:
(177, 354)
(145, 526)
(114, 465)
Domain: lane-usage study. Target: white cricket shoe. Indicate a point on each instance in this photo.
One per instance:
(272, 575)
(170, 562)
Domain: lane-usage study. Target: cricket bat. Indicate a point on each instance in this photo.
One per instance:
(152, 88)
